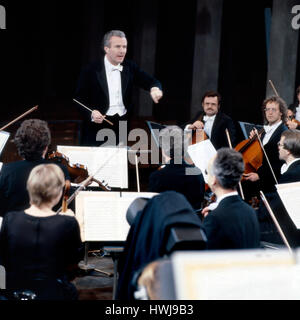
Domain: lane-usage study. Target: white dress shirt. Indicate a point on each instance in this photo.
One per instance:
(269, 131)
(214, 205)
(286, 166)
(297, 115)
(113, 75)
(208, 124)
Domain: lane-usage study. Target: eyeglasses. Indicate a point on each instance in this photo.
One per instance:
(271, 109)
(280, 144)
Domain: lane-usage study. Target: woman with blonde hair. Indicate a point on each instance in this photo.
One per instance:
(38, 246)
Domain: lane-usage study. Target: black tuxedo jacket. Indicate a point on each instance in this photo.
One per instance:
(176, 177)
(267, 181)
(92, 90)
(292, 174)
(218, 135)
(13, 179)
(232, 225)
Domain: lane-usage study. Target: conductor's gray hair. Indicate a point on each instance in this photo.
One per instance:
(112, 33)
(228, 167)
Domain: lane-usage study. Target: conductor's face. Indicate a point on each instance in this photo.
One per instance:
(210, 106)
(116, 52)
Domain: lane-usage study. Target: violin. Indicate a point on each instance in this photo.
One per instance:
(77, 172)
(252, 153)
(67, 189)
(291, 117)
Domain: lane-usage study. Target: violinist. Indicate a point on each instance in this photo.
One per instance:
(274, 112)
(42, 257)
(293, 121)
(177, 175)
(232, 224)
(32, 140)
(213, 121)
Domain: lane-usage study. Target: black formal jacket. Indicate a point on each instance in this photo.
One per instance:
(13, 179)
(267, 181)
(269, 231)
(292, 174)
(148, 235)
(183, 178)
(92, 89)
(218, 134)
(232, 225)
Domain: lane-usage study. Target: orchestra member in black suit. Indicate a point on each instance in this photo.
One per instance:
(289, 152)
(39, 248)
(214, 122)
(32, 140)
(177, 174)
(233, 223)
(106, 86)
(274, 111)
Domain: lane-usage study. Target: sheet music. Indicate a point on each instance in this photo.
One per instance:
(102, 215)
(3, 139)
(290, 197)
(236, 275)
(201, 153)
(115, 170)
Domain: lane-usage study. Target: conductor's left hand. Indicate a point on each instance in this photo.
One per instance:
(156, 94)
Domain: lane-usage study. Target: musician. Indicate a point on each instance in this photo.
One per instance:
(214, 122)
(274, 111)
(106, 85)
(37, 246)
(289, 151)
(32, 140)
(294, 112)
(177, 175)
(233, 223)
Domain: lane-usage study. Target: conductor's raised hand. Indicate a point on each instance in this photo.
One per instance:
(97, 117)
(156, 94)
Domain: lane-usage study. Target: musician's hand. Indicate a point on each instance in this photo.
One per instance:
(252, 134)
(69, 213)
(156, 94)
(196, 125)
(292, 124)
(252, 176)
(97, 117)
(205, 211)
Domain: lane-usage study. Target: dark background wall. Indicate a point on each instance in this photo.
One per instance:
(47, 43)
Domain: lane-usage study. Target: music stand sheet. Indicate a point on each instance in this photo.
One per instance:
(4, 136)
(114, 162)
(102, 215)
(289, 194)
(236, 275)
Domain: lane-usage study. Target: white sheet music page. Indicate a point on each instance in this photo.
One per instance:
(114, 161)
(201, 153)
(236, 275)
(102, 215)
(290, 197)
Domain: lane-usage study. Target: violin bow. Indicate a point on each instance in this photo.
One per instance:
(258, 137)
(275, 221)
(230, 145)
(86, 182)
(81, 104)
(20, 117)
(273, 87)
(137, 170)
